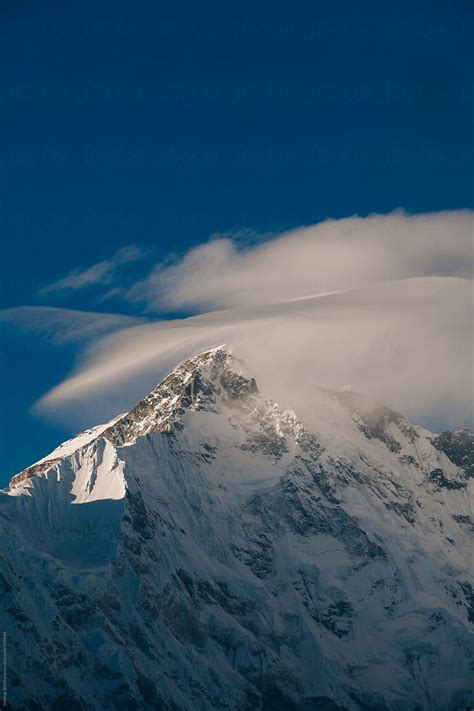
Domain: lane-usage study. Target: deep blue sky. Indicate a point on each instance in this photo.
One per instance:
(162, 124)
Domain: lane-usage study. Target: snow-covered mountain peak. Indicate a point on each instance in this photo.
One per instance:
(198, 381)
(204, 382)
(208, 550)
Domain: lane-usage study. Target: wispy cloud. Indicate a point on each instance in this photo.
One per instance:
(382, 304)
(405, 343)
(333, 255)
(62, 326)
(101, 273)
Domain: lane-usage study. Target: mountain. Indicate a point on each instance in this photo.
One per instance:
(207, 551)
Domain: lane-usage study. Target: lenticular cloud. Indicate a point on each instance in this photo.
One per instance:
(406, 343)
(333, 255)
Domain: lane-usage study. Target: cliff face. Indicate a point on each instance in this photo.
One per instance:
(207, 551)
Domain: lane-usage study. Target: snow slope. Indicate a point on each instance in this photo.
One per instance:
(206, 550)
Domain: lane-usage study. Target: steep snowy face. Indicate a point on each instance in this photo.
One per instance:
(206, 550)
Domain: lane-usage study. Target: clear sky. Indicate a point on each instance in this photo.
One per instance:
(160, 125)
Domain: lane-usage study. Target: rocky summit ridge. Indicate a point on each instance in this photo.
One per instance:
(194, 384)
(207, 550)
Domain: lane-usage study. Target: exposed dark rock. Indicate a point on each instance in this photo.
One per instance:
(459, 447)
(468, 591)
(440, 481)
(402, 509)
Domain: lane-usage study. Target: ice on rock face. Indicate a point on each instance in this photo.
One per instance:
(207, 550)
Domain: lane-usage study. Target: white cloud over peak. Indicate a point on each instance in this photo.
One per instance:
(405, 343)
(329, 256)
(381, 304)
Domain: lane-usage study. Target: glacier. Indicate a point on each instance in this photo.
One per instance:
(209, 550)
